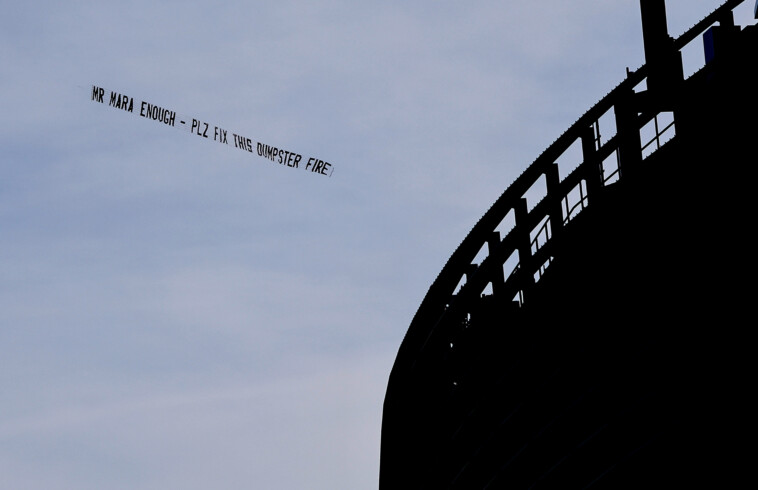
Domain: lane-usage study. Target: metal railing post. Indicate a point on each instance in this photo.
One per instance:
(553, 195)
(498, 277)
(524, 246)
(592, 166)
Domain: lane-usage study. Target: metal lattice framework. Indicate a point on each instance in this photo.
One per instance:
(446, 306)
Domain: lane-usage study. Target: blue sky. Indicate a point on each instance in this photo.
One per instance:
(175, 313)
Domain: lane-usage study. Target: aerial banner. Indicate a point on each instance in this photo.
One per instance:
(209, 131)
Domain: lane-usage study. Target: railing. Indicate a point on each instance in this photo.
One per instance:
(444, 309)
(658, 134)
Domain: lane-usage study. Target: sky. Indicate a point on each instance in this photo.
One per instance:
(180, 313)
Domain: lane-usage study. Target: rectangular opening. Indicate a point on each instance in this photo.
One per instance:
(536, 193)
(481, 255)
(605, 128)
(540, 234)
(542, 269)
(575, 201)
(510, 264)
(507, 224)
(570, 159)
(461, 282)
(657, 132)
(518, 298)
(642, 86)
(610, 168)
(693, 57)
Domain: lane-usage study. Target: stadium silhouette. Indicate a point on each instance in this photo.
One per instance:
(592, 329)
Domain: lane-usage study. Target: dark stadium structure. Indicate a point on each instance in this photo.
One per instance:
(602, 342)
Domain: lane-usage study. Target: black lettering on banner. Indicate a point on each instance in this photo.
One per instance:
(243, 143)
(219, 135)
(121, 102)
(97, 94)
(196, 125)
(157, 113)
(318, 166)
(168, 117)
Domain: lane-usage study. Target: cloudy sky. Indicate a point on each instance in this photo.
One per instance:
(179, 313)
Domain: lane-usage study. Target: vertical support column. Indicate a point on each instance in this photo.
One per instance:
(727, 18)
(628, 134)
(660, 55)
(592, 164)
(470, 271)
(655, 35)
(719, 40)
(498, 278)
(665, 71)
(524, 246)
(554, 198)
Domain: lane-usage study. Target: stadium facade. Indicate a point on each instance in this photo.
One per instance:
(604, 341)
